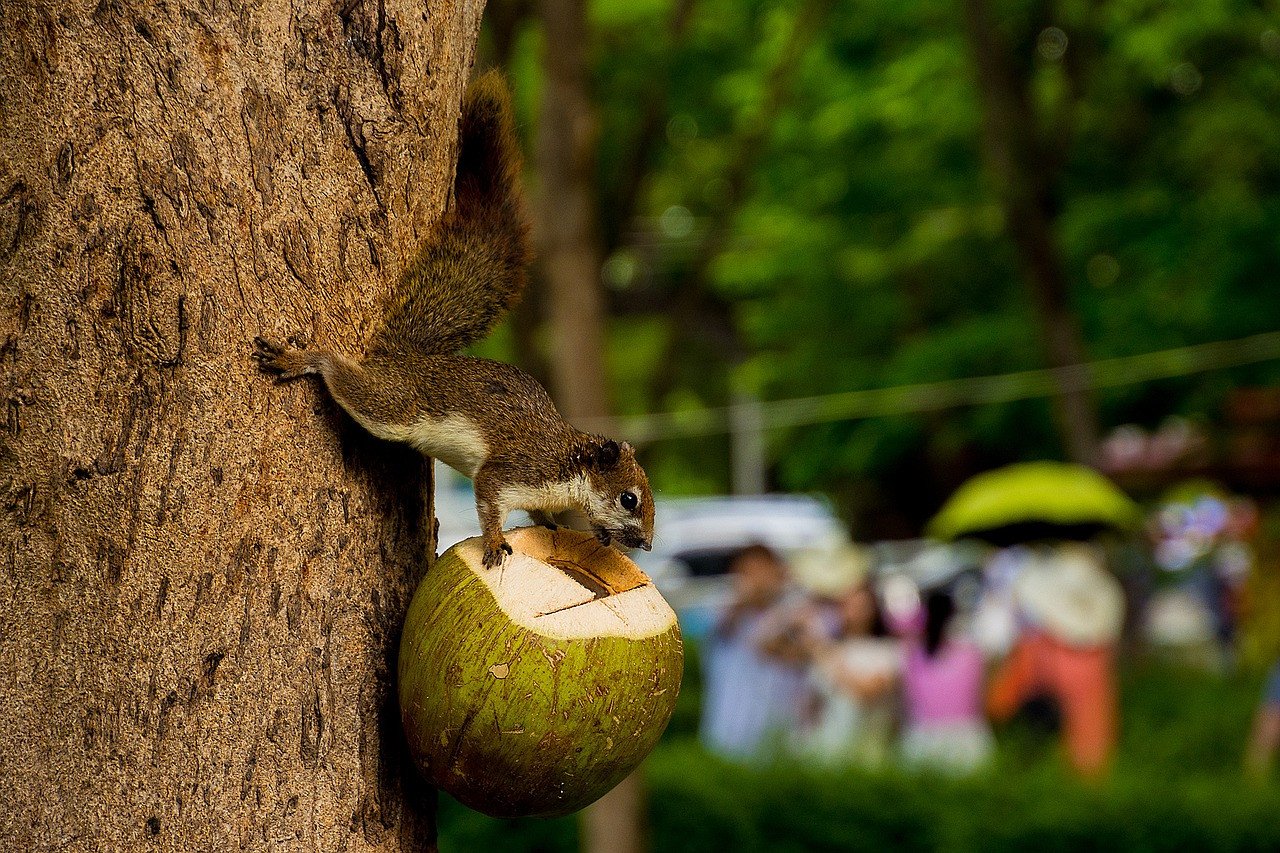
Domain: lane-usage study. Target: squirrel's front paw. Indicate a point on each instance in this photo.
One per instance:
(495, 554)
(287, 363)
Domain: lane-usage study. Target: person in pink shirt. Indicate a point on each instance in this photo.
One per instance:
(942, 683)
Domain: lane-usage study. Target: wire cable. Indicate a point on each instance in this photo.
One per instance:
(951, 393)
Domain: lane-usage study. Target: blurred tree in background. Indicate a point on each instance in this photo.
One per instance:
(800, 197)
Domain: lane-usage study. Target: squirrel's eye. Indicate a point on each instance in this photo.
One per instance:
(628, 500)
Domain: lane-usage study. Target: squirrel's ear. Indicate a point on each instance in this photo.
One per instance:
(627, 448)
(607, 455)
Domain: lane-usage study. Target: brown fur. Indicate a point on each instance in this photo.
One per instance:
(467, 275)
(472, 269)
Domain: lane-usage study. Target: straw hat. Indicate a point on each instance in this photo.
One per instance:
(1067, 592)
(830, 569)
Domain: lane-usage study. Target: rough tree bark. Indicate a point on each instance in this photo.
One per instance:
(204, 574)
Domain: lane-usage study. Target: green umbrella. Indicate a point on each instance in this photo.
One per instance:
(1035, 500)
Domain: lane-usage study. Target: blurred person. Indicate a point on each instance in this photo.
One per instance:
(1264, 739)
(755, 660)
(854, 679)
(942, 681)
(1201, 541)
(1073, 610)
(994, 623)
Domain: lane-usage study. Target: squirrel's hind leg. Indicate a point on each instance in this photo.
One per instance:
(353, 386)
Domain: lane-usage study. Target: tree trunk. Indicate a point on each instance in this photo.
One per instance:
(566, 214)
(617, 823)
(1025, 173)
(205, 574)
(571, 257)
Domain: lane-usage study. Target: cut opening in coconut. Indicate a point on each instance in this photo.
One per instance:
(599, 568)
(564, 583)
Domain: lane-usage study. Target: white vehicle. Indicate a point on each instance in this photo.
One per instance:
(696, 538)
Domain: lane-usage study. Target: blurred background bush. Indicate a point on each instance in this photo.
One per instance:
(1176, 786)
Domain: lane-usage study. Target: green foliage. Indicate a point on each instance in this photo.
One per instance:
(698, 803)
(867, 247)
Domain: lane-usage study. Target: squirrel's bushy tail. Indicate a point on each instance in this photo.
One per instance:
(474, 266)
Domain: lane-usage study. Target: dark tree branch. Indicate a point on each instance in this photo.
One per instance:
(697, 311)
(567, 212)
(1026, 180)
(653, 120)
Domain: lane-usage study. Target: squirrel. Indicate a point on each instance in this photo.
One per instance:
(490, 421)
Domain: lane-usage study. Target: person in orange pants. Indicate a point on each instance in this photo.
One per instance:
(1074, 610)
(1079, 679)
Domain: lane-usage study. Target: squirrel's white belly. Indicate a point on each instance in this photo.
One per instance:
(550, 497)
(454, 439)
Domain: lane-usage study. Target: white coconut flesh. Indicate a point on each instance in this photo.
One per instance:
(567, 587)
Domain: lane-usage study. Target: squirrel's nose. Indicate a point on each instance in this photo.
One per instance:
(647, 545)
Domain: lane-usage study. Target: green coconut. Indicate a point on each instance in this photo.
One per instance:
(535, 687)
